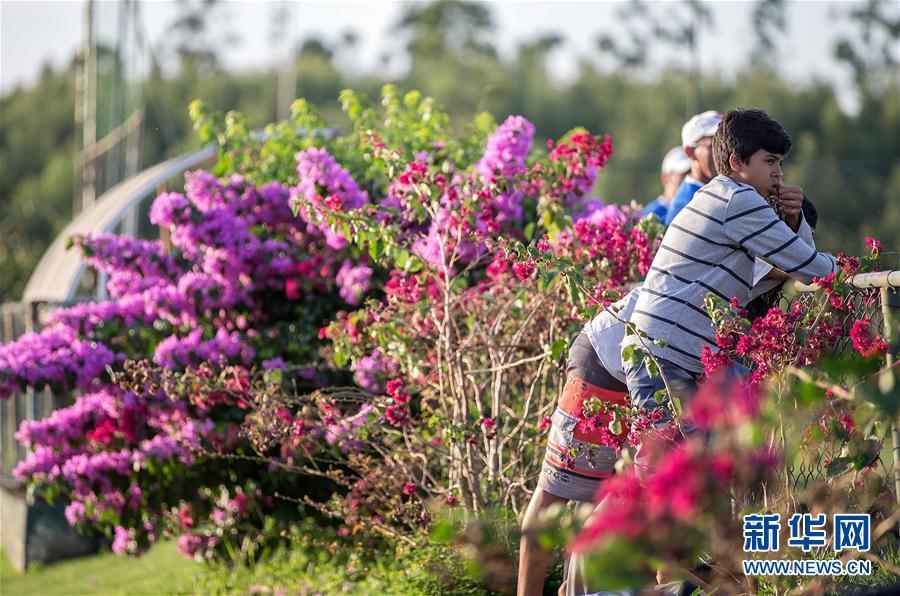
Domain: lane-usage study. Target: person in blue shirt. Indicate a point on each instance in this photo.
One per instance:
(696, 140)
(675, 165)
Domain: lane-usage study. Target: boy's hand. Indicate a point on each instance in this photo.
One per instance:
(790, 199)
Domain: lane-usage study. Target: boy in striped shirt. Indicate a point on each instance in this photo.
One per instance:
(711, 245)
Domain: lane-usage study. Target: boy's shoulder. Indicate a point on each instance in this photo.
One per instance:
(731, 193)
(726, 187)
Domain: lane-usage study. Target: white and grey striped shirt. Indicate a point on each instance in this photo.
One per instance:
(710, 247)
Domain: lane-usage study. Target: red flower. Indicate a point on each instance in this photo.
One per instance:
(292, 289)
(393, 386)
(714, 361)
(874, 246)
(185, 519)
(409, 488)
(524, 270)
(334, 202)
(397, 415)
(103, 433)
(864, 344)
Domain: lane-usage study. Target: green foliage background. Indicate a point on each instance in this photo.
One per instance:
(848, 164)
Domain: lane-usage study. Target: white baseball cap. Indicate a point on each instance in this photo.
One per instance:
(676, 161)
(701, 125)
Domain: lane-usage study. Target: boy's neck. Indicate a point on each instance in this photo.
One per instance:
(734, 177)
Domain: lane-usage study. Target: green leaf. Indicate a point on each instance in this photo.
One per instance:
(458, 285)
(572, 288)
(621, 565)
(615, 425)
(399, 256)
(661, 396)
(273, 376)
(376, 249)
(837, 367)
(809, 393)
(443, 531)
(557, 349)
(529, 231)
(838, 466)
(886, 401)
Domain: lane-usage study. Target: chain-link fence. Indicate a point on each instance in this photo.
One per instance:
(874, 297)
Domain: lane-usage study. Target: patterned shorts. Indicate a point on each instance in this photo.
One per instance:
(577, 477)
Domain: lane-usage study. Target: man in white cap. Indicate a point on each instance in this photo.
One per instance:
(675, 166)
(696, 140)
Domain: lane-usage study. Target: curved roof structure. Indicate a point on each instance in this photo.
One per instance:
(57, 275)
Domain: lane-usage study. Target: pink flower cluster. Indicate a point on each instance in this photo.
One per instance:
(133, 265)
(504, 159)
(866, 344)
(683, 479)
(56, 357)
(372, 371)
(771, 341)
(681, 487)
(709, 409)
(100, 451)
(579, 157)
(397, 413)
(354, 281)
(325, 186)
(611, 248)
(217, 298)
(213, 516)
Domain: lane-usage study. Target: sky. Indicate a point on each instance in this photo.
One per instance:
(33, 32)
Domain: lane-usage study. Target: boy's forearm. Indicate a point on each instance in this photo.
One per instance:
(756, 227)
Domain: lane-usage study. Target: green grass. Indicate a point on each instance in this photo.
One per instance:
(161, 571)
(317, 565)
(310, 563)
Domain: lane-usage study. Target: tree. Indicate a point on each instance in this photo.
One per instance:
(769, 19)
(449, 42)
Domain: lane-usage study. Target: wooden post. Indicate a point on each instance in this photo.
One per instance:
(165, 236)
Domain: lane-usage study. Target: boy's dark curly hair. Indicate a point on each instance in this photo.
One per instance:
(744, 132)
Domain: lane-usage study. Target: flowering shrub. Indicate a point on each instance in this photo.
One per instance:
(260, 260)
(243, 285)
(464, 344)
(801, 334)
(743, 453)
(686, 499)
(445, 276)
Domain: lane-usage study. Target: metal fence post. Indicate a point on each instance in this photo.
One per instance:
(890, 304)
